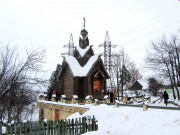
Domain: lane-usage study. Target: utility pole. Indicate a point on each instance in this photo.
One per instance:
(122, 78)
(107, 58)
(117, 73)
(70, 46)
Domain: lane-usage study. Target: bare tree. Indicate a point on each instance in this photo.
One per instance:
(19, 75)
(124, 70)
(163, 58)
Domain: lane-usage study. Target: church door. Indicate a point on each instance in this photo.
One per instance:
(56, 115)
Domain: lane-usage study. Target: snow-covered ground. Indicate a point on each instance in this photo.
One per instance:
(133, 120)
(124, 120)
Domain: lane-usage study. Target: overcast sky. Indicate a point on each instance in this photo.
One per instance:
(49, 23)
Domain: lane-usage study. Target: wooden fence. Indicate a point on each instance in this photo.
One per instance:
(63, 127)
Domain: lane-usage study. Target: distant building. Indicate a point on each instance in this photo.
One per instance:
(136, 86)
(83, 73)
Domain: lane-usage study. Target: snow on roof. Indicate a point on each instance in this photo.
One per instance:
(106, 96)
(96, 100)
(77, 69)
(75, 96)
(89, 97)
(81, 51)
(63, 96)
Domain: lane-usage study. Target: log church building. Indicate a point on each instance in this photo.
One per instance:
(83, 72)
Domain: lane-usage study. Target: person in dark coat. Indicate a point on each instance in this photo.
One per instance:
(111, 97)
(166, 97)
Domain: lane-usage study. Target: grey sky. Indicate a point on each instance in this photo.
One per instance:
(49, 23)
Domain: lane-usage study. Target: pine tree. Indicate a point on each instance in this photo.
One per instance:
(125, 76)
(54, 82)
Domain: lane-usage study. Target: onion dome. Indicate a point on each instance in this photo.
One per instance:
(84, 32)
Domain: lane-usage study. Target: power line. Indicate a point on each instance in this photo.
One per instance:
(118, 15)
(146, 23)
(124, 13)
(151, 32)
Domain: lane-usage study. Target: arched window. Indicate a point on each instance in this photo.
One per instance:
(97, 82)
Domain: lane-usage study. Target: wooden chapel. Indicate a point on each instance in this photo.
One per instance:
(83, 72)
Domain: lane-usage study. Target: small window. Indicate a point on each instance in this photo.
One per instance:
(96, 87)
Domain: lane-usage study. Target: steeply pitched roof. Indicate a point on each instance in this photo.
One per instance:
(81, 51)
(77, 69)
(136, 86)
(144, 83)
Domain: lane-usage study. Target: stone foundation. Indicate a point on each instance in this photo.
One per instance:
(57, 111)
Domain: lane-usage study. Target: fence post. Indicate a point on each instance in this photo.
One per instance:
(43, 128)
(84, 124)
(58, 128)
(7, 128)
(94, 125)
(72, 123)
(24, 128)
(80, 125)
(34, 128)
(30, 128)
(48, 125)
(20, 129)
(55, 127)
(63, 127)
(39, 128)
(77, 126)
(51, 127)
(15, 129)
(69, 127)
(66, 127)
(11, 129)
(0, 129)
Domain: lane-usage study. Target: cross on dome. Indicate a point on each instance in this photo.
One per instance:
(84, 21)
(84, 32)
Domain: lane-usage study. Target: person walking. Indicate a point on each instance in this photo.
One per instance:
(166, 97)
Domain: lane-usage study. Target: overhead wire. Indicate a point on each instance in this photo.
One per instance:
(149, 22)
(124, 13)
(119, 15)
(107, 11)
(152, 32)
